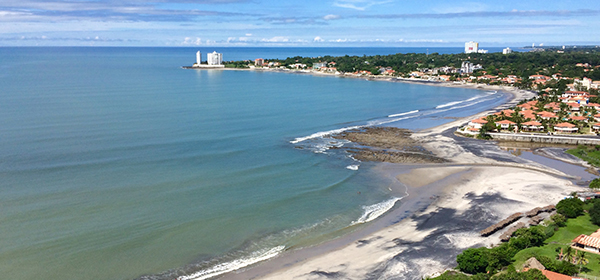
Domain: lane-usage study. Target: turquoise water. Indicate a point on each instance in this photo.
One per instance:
(115, 163)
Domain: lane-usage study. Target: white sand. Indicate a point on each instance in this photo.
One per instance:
(521, 189)
(504, 188)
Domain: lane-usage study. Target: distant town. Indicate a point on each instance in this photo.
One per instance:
(567, 80)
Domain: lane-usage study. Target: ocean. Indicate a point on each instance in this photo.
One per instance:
(116, 163)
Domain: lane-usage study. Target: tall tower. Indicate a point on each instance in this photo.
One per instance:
(198, 58)
(471, 47)
(214, 58)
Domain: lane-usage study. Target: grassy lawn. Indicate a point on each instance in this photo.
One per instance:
(562, 238)
(589, 154)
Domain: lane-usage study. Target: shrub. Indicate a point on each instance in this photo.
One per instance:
(559, 220)
(595, 184)
(562, 267)
(473, 261)
(595, 212)
(532, 274)
(570, 207)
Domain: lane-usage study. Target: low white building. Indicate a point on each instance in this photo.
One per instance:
(477, 123)
(565, 128)
(506, 51)
(505, 124)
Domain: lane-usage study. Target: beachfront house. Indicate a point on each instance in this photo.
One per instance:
(590, 243)
(565, 128)
(477, 123)
(547, 115)
(505, 124)
(532, 126)
(579, 118)
(575, 107)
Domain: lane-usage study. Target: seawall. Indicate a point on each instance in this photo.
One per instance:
(550, 139)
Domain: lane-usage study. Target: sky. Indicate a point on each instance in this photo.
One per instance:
(300, 23)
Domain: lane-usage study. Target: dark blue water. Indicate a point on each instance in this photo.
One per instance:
(117, 163)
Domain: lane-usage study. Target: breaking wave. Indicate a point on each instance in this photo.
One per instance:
(235, 264)
(457, 102)
(340, 130)
(402, 114)
(352, 167)
(372, 212)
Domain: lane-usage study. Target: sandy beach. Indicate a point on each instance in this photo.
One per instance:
(475, 185)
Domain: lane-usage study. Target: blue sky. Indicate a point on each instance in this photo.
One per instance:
(311, 23)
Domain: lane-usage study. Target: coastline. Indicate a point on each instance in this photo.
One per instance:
(508, 89)
(445, 207)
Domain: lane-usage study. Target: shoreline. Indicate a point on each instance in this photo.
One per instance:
(505, 88)
(470, 183)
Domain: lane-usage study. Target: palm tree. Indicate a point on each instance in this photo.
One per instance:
(581, 260)
(569, 254)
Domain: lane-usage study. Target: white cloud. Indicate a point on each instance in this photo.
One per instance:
(192, 41)
(248, 34)
(331, 17)
(345, 40)
(469, 7)
(276, 39)
(318, 39)
(359, 5)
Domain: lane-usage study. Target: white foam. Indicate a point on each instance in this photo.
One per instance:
(324, 133)
(448, 104)
(234, 265)
(340, 130)
(402, 114)
(457, 102)
(372, 212)
(352, 167)
(466, 105)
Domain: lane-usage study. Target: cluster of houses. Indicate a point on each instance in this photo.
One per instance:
(445, 74)
(571, 112)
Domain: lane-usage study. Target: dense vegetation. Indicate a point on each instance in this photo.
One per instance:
(519, 64)
(549, 244)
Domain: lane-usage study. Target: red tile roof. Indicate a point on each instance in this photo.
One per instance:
(547, 114)
(506, 122)
(578, 118)
(551, 275)
(478, 121)
(565, 124)
(532, 123)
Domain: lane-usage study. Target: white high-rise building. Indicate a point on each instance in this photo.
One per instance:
(198, 58)
(471, 47)
(466, 67)
(214, 58)
(506, 51)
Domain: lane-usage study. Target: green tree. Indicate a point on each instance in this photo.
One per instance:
(559, 220)
(595, 184)
(581, 259)
(569, 254)
(473, 261)
(595, 212)
(562, 267)
(532, 274)
(570, 207)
